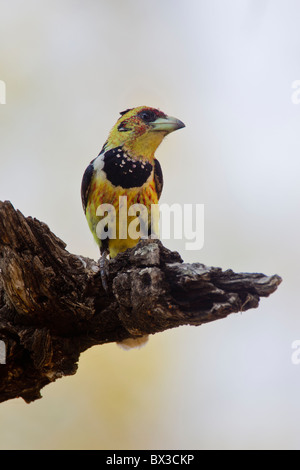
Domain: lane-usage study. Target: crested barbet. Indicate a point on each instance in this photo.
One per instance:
(126, 166)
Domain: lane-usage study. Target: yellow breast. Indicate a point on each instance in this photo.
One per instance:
(102, 192)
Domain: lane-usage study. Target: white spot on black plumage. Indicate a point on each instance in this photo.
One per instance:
(127, 173)
(98, 162)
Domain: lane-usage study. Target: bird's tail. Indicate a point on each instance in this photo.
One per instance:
(130, 343)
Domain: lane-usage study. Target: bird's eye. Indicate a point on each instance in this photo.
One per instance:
(147, 116)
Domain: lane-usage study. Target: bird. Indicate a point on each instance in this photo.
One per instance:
(125, 166)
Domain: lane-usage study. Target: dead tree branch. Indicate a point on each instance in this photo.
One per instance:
(53, 307)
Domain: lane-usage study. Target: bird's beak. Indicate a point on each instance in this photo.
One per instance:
(167, 124)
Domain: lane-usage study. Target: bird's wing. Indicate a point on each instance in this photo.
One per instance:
(85, 185)
(158, 178)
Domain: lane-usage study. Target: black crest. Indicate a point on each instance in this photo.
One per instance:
(126, 111)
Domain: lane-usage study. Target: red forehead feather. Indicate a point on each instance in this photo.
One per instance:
(157, 112)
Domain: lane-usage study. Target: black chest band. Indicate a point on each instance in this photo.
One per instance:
(121, 170)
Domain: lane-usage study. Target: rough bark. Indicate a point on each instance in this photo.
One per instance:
(53, 305)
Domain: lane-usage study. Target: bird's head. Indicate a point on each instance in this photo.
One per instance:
(140, 131)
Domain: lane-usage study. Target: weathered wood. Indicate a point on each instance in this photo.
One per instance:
(53, 306)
